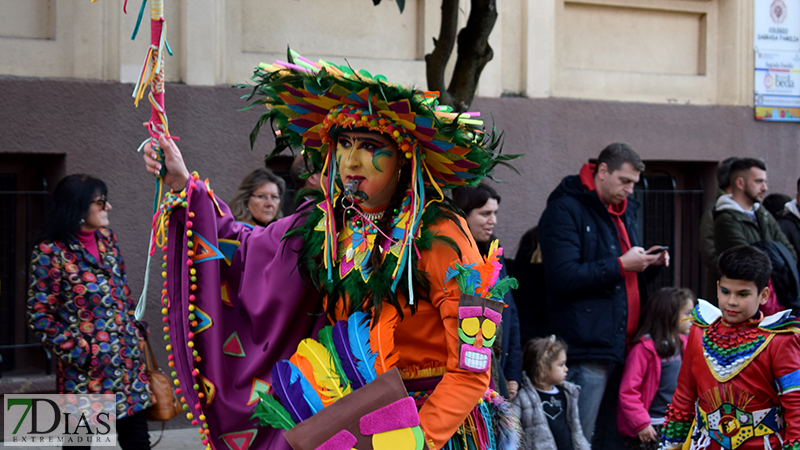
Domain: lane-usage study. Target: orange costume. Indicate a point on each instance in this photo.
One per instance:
(427, 342)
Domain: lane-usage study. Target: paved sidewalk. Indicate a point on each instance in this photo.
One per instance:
(177, 439)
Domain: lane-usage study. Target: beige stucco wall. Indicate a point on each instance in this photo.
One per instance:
(656, 51)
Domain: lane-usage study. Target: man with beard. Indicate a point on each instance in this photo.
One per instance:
(739, 218)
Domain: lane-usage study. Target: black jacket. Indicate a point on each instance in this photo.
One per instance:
(784, 274)
(511, 359)
(790, 225)
(585, 287)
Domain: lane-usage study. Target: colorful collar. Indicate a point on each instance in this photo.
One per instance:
(356, 240)
(730, 350)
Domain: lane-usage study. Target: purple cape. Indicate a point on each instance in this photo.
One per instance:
(252, 305)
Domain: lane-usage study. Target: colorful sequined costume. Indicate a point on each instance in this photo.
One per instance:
(239, 300)
(739, 385)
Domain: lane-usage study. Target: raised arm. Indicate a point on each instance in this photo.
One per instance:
(175, 174)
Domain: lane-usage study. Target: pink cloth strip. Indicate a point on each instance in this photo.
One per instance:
(343, 440)
(492, 315)
(394, 416)
(469, 311)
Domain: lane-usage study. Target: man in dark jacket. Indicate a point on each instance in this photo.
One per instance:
(593, 269)
(708, 252)
(789, 221)
(739, 218)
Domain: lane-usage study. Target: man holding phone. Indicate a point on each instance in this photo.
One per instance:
(594, 270)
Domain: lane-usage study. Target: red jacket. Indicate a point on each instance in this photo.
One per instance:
(640, 379)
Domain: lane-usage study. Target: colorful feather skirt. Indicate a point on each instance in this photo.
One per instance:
(493, 424)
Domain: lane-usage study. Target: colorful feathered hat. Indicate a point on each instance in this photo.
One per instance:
(306, 100)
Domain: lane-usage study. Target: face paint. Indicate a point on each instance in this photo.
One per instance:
(379, 153)
(372, 160)
(477, 331)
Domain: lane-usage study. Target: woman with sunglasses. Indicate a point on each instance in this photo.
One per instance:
(80, 307)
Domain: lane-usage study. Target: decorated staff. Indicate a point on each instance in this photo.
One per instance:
(152, 75)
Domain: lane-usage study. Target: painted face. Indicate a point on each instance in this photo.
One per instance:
(615, 186)
(756, 184)
(739, 300)
(265, 203)
(685, 319)
(97, 216)
(558, 370)
(482, 220)
(371, 159)
(478, 319)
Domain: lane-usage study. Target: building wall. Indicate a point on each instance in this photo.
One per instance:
(655, 51)
(671, 77)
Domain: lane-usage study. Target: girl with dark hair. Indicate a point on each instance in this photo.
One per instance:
(379, 241)
(651, 369)
(480, 205)
(79, 306)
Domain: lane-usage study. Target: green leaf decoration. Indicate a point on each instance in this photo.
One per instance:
(270, 412)
(502, 286)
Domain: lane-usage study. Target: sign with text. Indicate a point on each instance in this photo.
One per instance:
(49, 420)
(777, 25)
(777, 60)
(777, 85)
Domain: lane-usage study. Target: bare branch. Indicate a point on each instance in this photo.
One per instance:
(436, 61)
(473, 52)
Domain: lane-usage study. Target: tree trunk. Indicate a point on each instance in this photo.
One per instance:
(473, 52)
(436, 61)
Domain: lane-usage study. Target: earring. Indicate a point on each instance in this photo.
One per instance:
(83, 221)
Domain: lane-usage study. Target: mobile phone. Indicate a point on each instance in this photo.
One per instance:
(657, 250)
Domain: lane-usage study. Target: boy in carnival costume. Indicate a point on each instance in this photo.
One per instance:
(739, 385)
(379, 241)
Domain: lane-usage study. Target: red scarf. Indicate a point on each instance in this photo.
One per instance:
(89, 241)
(631, 278)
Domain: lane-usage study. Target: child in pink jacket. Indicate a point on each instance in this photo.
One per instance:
(651, 369)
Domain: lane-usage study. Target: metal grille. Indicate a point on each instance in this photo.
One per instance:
(20, 215)
(670, 215)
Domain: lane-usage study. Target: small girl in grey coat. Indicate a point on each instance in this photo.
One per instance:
(548, 403)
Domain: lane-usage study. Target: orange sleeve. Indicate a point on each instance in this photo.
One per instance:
(459, 391)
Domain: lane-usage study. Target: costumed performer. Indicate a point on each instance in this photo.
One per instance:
(739, 383)
(379, 239)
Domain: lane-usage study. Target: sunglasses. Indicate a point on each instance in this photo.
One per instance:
(101, 202)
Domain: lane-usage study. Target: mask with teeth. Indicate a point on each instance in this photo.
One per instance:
(478, 319)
